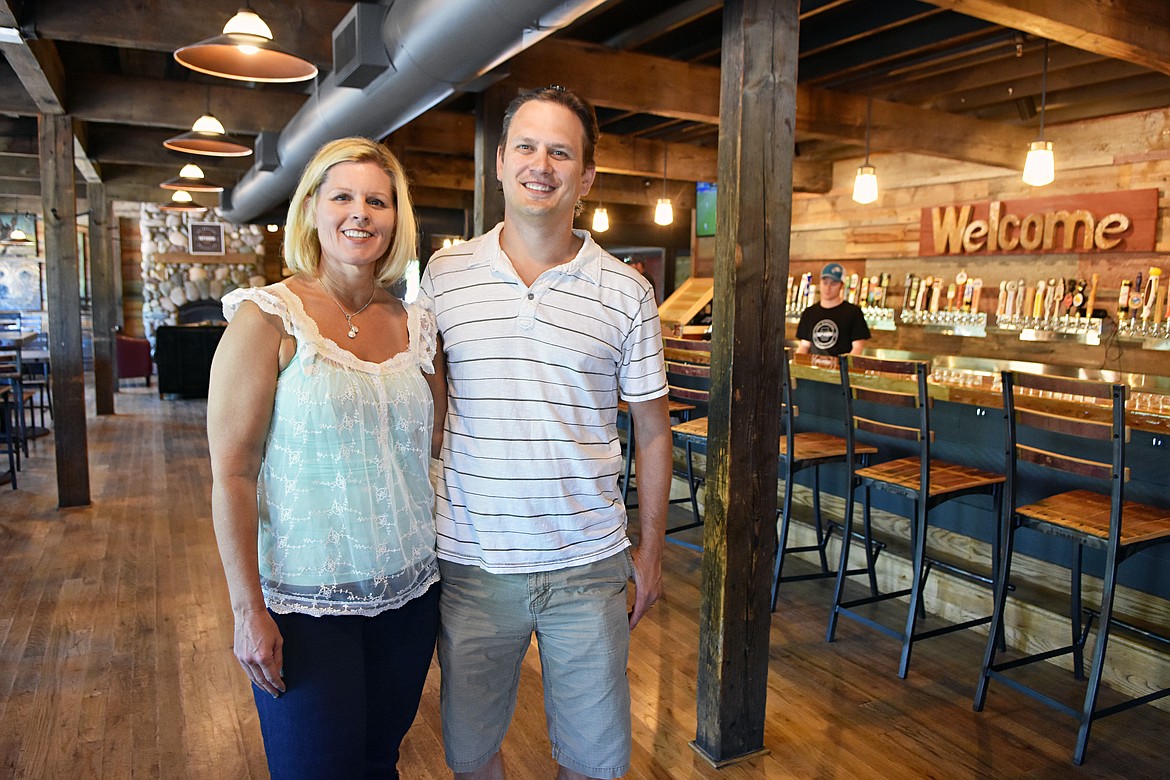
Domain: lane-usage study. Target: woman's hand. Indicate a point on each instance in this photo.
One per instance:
(259, 648)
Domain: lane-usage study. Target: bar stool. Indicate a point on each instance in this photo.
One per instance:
(37, 380)
(688, 379)
(7, 440)
(811, 450)
(1082, 441)
(889, 399)
(12, 374)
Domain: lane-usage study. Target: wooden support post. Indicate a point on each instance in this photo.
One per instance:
(756, 144)
(59, 199)
(103, 271)
(489, 115)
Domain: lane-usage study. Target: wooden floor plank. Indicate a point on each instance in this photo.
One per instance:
(115, 655)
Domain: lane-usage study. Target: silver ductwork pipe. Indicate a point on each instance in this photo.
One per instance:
(433, 46)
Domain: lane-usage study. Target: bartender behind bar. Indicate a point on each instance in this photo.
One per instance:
(832, 325)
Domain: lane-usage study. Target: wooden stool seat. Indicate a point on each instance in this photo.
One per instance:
(1080, 513)
(945, 478)
(695, 430)
(813, 447)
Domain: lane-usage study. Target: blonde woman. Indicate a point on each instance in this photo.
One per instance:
(326, 402)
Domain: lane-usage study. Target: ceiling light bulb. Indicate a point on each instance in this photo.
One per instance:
(273, 227)
(1040, 165)
(664, 212)
(181, 196)
(191, 171)
(865, 186)
(600, 220)
(208, 124)
(247, 23)
(17, 235)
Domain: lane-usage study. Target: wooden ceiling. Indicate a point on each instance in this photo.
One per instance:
(958, 79)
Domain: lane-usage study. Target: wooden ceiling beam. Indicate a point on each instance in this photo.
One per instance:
(985, 75)
(1136, 31)
(624, 80)
(680, 90)
(39, 68)
(17, 168)
(176, 105)
(444, 132)
(901, 128)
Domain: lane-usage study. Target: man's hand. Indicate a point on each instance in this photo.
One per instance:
(647, 584)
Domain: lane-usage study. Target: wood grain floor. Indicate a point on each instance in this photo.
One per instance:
(115, 658)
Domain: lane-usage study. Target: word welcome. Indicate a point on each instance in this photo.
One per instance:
(1043, 225)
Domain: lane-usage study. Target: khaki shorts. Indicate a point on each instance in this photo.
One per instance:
(582, 631)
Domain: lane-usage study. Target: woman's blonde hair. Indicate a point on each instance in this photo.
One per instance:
(302, 247)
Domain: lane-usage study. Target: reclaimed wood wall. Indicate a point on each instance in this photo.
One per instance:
(1124, 153)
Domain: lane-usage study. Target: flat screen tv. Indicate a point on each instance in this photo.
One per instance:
(704, 209)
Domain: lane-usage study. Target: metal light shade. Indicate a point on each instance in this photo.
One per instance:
(245, 52)
(17, 237)
(191, 178)
(1040, 165)
(865, 186)
(207, 137)
(600, 220)
(664, 212)
(183, 203)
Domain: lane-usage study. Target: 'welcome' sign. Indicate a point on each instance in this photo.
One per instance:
(1103, 222)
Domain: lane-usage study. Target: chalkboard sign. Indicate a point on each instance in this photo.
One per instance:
(206, 238)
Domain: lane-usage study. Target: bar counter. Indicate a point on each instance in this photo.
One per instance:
(975, 382)
(969, 428)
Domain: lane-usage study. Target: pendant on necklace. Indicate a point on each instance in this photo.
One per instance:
(353, 331)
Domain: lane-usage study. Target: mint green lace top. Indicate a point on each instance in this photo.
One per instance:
(346, 523)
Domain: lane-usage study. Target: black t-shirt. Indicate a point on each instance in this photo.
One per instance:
(832, 331)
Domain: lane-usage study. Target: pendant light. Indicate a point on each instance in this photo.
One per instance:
(245, 52)
(1040, 165)
(600, 215)
(17, 237)
(191, 178)
(664, 211)
(182, 203)
(600, 220)
(207, 137)
(865, 186)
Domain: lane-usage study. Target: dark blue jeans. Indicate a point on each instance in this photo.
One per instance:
(353, 687)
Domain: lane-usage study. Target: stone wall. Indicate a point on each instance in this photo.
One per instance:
(169, 282)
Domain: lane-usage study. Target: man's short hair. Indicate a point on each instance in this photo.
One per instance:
(562, 97)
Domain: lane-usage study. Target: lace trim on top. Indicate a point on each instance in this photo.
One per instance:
(276, 299)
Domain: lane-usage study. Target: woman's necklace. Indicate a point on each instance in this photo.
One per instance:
(353, 329)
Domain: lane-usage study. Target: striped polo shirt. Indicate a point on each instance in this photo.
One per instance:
(531, 454)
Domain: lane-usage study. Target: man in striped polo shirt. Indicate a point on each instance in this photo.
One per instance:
(543, 332)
